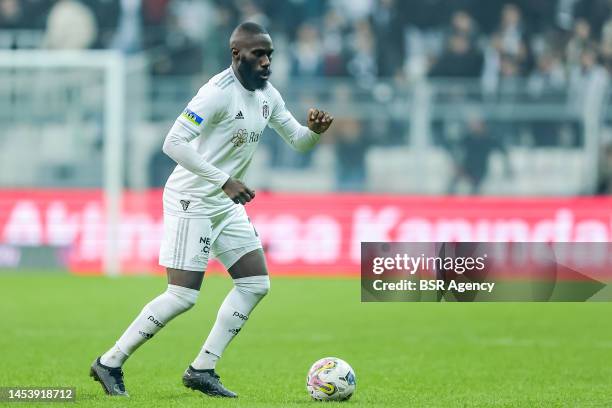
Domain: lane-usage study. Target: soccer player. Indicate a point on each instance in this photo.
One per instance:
(213, 142)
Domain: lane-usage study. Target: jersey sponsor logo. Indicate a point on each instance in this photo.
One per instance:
(240, 137)
(243, 136)
(265, 110)
(192, 117)
(239, 115)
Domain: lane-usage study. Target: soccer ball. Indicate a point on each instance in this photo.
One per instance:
(331, 379)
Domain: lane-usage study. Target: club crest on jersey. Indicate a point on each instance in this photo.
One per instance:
(265, 110)
(192, 117)
(185, 204)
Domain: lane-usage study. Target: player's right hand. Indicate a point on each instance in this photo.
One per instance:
(237, 191)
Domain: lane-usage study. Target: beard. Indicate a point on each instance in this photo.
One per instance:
(259, 83)
(250, 74)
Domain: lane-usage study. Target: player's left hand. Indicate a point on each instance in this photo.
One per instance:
(318, 120)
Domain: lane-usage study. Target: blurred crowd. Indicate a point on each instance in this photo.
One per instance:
(555, 47)
(550, 41)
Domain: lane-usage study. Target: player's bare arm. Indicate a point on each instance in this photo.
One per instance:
(318, 120)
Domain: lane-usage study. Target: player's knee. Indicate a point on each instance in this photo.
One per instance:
(257, 285)
(185, 296)
(264, 287)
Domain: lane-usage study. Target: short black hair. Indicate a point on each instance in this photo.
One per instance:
(249, 27)
(245, 30)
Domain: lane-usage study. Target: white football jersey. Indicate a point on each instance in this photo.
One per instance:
(224, 123)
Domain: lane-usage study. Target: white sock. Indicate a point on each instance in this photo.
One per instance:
(114, 357)
(234, 312)
(205, 360)
(153, 317)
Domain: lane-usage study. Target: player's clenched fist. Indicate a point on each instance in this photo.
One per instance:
(318, 120)
(237, 191)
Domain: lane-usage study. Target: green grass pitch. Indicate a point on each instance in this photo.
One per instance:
(404, 354)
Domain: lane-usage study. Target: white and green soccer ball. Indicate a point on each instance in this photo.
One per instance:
(331, 379)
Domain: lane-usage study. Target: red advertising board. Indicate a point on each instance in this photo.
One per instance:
(303, 234)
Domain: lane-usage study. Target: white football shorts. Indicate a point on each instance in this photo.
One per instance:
(189, 242)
